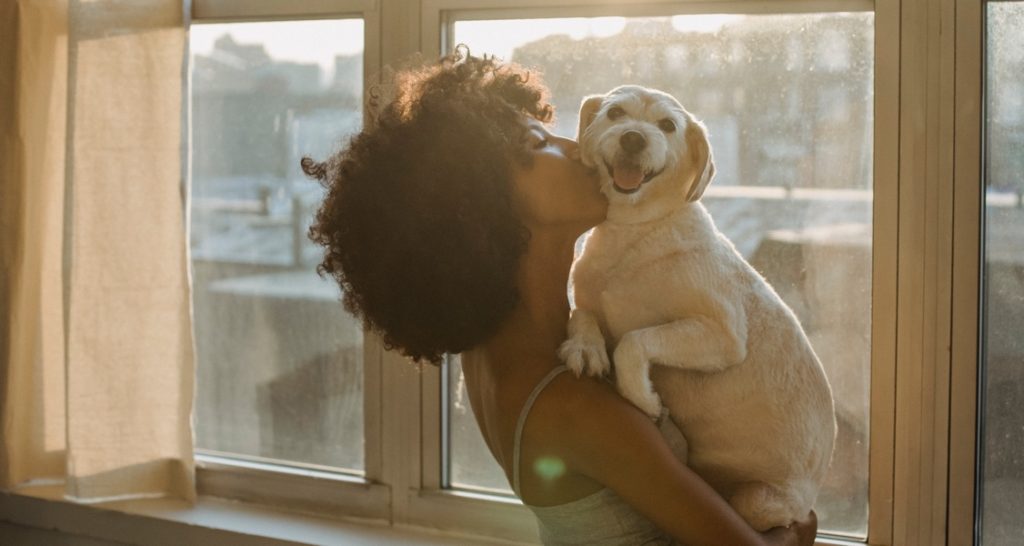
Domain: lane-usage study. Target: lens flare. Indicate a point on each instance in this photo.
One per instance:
(549, 468)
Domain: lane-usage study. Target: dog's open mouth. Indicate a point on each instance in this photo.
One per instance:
(627, 177)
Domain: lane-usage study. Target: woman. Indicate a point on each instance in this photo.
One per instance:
(450, 226)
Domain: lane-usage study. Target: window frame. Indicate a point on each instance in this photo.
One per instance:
(437, 26)
(926, 260)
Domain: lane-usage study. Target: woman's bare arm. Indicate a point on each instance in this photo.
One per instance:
(604, 437)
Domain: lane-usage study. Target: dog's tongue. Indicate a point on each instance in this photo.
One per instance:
(627, 176)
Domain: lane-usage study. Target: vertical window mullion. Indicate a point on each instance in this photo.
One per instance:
(373, 388)
(884, 271)
(403, 430)
(967, 264)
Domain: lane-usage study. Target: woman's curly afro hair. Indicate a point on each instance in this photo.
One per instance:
(419, 226)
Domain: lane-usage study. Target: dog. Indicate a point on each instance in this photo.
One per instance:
(657, 283)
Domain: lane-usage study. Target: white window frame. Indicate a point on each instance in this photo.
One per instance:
(925, 278)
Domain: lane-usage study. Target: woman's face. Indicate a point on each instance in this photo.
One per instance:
(556, 189)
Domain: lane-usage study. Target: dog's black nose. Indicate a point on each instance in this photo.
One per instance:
(632, 141)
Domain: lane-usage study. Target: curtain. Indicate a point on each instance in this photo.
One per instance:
(96, 353)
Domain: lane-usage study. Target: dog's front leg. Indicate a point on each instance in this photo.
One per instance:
(632, 375)
(695, 343)
(585, 350)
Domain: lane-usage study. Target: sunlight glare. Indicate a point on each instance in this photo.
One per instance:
(296, 41)
(501, 37)
(702, 22)
(603, 27)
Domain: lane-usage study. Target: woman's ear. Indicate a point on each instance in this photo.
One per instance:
(588, 109)
(700, 158)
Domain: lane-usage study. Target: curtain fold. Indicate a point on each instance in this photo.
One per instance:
(97, 370)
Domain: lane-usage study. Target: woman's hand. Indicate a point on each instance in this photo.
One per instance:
(800, 533)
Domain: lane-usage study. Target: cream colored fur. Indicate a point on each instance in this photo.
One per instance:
(657, 283)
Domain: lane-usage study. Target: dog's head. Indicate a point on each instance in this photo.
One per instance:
(645, 146)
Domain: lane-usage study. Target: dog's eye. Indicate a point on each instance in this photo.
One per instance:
(615, 112)
(667, 125)
(540, 144)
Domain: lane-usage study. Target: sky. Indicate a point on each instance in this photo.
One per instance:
(319, 41)
(300, 41)
(502, 37)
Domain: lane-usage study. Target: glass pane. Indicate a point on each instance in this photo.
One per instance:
(788, 100)
(280, 362)
(475, 468)
(1002, 478)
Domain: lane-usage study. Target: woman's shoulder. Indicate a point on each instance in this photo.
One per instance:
(579, 416)
(564, 428)
(582, 394)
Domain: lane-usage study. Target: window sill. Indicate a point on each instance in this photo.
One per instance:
(210, 521)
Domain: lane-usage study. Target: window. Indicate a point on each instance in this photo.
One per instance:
(469, 464)
(1002, 417)
(280, 363)
(831, 126)
(788, 101)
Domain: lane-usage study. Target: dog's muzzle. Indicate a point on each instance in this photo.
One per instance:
(633, 142)
(628, 177)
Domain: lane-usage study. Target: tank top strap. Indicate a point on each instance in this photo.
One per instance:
(522, 422)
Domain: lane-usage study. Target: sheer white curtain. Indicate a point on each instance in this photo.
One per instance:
(96, 353)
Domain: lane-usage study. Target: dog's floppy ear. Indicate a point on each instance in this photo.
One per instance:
(700, 157)
(588, 109)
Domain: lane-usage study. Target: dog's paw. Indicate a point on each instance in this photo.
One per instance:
(765, 506)
(582, 357)
(649, 402)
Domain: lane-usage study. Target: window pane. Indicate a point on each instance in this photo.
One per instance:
(280, 362)
(474, 468)
(1002, 479)
(788, 100)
